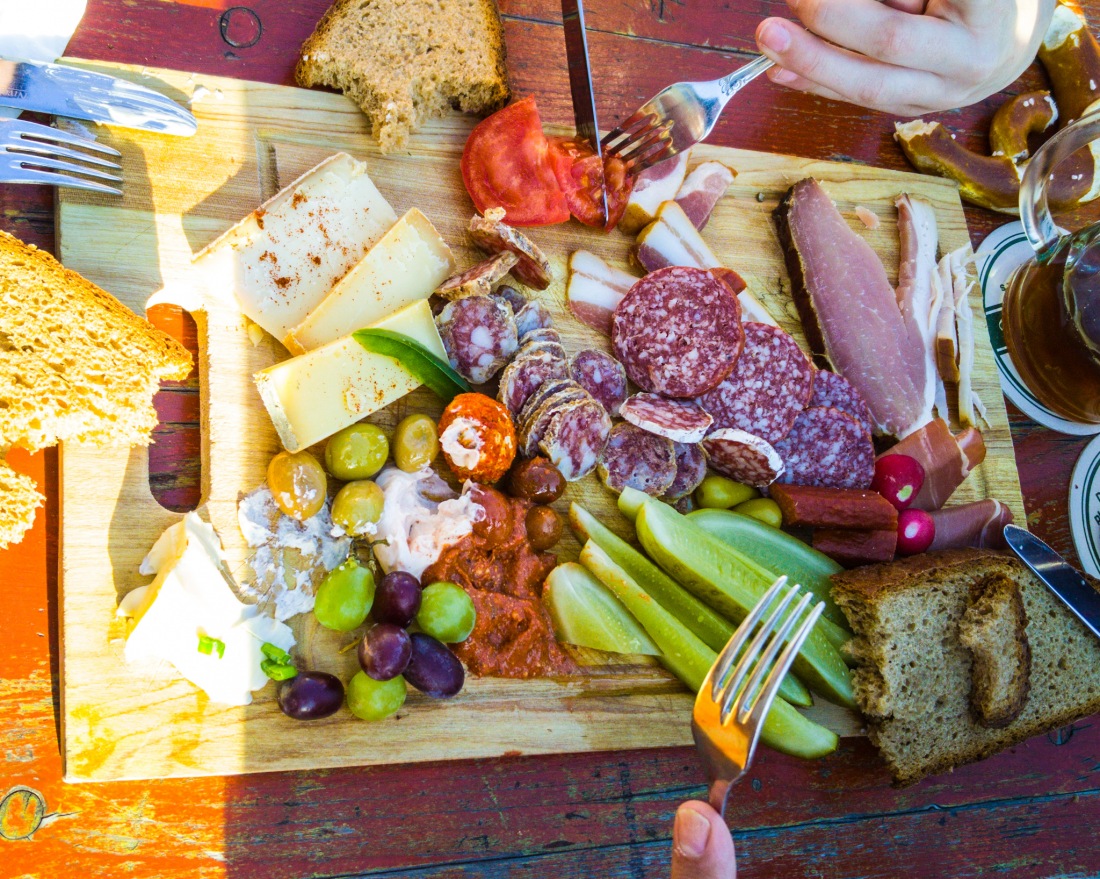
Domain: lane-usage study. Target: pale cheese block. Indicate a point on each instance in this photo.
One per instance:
(280, 261)
(408, 263)
(313, 395)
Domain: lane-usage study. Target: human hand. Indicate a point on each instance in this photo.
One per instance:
(904, 56)
(702, 847)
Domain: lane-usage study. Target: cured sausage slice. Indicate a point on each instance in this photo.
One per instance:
(540, 334)
(691, 468)
(534, 426)
(512, 296)
(831, 389)
(479, 335)
(829, 448)
(479, 280)
(554, 349)
(602, 376)
(525, 374)
(743, 457)
(639, 459)
(678, 332)
(493, 235)
(533, 316)
(767, 388)
(679, 420)
(576, 436)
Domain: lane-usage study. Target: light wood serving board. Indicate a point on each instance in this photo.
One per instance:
(180, 194)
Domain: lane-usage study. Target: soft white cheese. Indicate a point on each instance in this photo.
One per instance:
(461, 443)
(189, 599)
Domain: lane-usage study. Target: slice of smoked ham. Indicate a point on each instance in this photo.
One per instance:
(946, 459)
(864, 336)
(979, 524)
(700, 192)
(595, 289)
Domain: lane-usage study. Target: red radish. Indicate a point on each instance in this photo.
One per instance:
(916, 531)
(898, 478)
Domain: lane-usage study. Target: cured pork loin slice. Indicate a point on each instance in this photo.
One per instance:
(769, 385)
(743, 457)
(637, 459)
(679, 420)
(918, 276)
(602, 376)
(849, 310)
(678, 332)
(829, 448)
(691, 468)
(479, 335)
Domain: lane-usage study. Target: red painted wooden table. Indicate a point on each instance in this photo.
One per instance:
(1026, 813)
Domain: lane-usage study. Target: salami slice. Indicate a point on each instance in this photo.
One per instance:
(525, 374)
(639, 459)
(831, 389)
(679, 420)
(602, 376)
(479, 335)
(542, 416)
(576, 436)
(554, 349)
(533, 316)
(771, 383)
(512, 296)
(493, 235)
(678, 332)
(691, 467)
(829, 448)
(479, 280)
(540, 334)
(743, 457)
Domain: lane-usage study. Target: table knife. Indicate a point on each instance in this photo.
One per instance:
(1061, 578)
(580, 82)
(82, 94)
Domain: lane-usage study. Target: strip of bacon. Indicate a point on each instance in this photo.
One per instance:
(594, 289)
(655, 185)
(979, 524)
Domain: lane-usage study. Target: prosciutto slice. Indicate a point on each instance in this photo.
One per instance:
(979, 524)
(849, 310)
(946, 459)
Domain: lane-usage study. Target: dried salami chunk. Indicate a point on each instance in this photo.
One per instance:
(691, 468)
(638, 459)
(533, 316)
(576, 436)
(493, 235)
(509, 294)
(479, 280)
(679, 420)
(831, 389)
(743, 457)
(767, 388)
(534, 425)
(554, 349)
(602, 376)
(479, 335)
(525, 374)
(678, 332)
(829, 448)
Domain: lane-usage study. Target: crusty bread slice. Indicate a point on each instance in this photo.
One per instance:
(19, 498)
(404, 61)
(75, 363)
(913, 677)
(993, 629)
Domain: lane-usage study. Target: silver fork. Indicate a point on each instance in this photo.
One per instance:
(743, 682)
(33, 153)
(676, 118)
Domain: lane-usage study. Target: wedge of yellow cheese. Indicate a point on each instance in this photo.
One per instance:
(406, 264)
(313, 395)
(280, 262)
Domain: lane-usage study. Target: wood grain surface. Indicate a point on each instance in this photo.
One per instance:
(1028, 812)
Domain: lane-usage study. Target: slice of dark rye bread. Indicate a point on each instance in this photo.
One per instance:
(913, 677)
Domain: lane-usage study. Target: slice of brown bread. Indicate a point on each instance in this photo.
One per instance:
(75, 363)
(913, 676)
(404, 61)
(19, 498)
(993, 629)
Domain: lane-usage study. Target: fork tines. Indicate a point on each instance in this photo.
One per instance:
(32, 153)
(639, 142)
(748, 687)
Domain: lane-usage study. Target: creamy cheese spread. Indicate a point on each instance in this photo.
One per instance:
(461, 442)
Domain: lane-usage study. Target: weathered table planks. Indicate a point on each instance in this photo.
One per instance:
(1026, 813)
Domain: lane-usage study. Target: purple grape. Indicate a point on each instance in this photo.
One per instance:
(311, 695)
(397, 599)
(384, 651)
(433, 669)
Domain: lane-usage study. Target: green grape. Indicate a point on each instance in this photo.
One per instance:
(297, 482)
(763, 509)
(358, 505)
(356, 452)
(344, 597)
(446, 613)
(720, 493)
(369, 699)
(415, 442)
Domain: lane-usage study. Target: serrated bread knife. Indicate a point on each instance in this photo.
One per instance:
(1059, 576)
(81, 94)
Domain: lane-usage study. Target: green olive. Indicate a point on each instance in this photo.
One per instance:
(719, 493)
(357, 506)
(298, 484)
(356, 452)
(764, 509)
(415, 443)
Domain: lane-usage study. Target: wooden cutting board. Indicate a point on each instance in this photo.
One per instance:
(180, 194)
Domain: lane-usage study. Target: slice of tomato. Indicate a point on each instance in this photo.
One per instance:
(581, 175)
(506, 164)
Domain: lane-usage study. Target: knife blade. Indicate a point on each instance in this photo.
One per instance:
(1059, 576)
(81, 94)
(580, 83)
